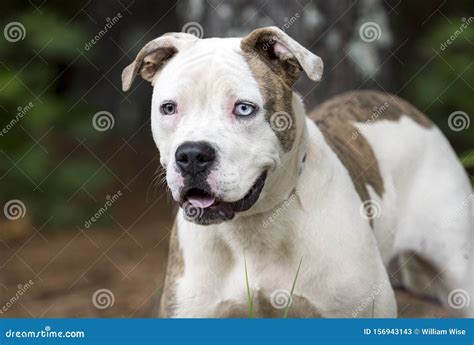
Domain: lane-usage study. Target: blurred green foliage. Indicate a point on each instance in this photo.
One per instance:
(37, 171)
(445, 86)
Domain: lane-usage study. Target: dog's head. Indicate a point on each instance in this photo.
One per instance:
(223, 117)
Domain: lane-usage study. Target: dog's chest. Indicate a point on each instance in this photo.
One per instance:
(248, 284)
(227, 272)
(268, 294)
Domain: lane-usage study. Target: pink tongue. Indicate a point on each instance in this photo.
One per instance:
(201, 201)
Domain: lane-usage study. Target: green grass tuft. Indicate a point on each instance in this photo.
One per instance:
(373, 307)
(287, 308)
(249, 295)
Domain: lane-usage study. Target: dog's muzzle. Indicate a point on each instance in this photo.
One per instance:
(202, 207)
(195, 161)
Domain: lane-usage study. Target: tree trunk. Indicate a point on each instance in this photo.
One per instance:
(351, 37)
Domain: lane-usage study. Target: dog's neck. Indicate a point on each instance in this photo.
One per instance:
(302, 132)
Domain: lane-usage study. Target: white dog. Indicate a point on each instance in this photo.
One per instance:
(364, 181)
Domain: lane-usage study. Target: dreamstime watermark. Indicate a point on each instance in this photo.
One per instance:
(459, 299)
(22, 111)
(370, 32)
(281, 121)
(288, 22)
(110, 200)
(281, 299)
(273, 217)
(370, 209)
(370, 300)
(110, 22)
(465, 23)
(22, 289)
(103, 299)
(459, 121)
(103, 121)
(193, 28)
(377, 111)
(192, 212)
(47, 332)
(464, 206)
(14, 32)
(14, 209)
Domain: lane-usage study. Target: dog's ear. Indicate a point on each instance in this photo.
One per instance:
(153, 56)
(276, 48)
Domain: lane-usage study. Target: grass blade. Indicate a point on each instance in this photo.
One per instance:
(373, 307)
(249, 296)
(285, 312)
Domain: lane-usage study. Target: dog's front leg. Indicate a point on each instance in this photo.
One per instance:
(362, 297)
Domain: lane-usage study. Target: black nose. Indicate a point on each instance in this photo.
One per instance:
(195, 157)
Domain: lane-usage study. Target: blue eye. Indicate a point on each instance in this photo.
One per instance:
(244, 109)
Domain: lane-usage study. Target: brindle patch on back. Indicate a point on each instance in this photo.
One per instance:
(336, 117)
(276, 79)
(174, 270)
(370, 106)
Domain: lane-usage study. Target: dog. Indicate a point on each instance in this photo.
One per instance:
(284, 213)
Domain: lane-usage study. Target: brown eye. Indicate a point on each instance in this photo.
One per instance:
(168, 108)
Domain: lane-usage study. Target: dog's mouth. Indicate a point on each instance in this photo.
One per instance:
(200, 198)
(202, 207)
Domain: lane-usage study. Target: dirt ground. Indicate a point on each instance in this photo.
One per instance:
(66, 270)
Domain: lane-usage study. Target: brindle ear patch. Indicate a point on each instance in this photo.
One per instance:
(152, 57)
(278, 58)
(155, 61)
(273, 44)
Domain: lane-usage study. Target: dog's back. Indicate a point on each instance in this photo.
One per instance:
(337, 119)
(414, 191)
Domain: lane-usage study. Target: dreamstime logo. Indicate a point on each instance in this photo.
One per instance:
(281, 121)
(14, 32)
(280, 299)
(193, 28)
(458, 299)
(192, 212)
(103, 299)
(46, 333)
(22, 288)
(110, 22)
(22, 111)
(370, 209)
(110, 200)
(273, 217)
(458, 121)
(370, 300)
(288, 22)
(103, 121)
(377, 111)
(14, 209)
(465, 23)
(458, 211)
(370, 31)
